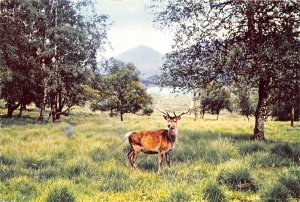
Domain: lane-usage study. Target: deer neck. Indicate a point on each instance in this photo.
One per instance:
(172, 134)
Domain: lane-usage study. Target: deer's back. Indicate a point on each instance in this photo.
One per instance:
(150, 141)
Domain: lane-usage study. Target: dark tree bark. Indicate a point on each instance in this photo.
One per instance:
(121, 116)
(292, 116)
(259, 113)
(11, 107)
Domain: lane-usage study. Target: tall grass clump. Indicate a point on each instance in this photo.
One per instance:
(48, 173)
(98, 154)
(116, 181)
(291, 180)
(286, 150)
(238, 179)
(252, 147)
(214, 193)
(277, 192)
(6, 160)
(220, 150)
(34, 163)
(79, 167)
(7, 173)
(177, 196)
(23, 189)
(60, 194)
(266, 160)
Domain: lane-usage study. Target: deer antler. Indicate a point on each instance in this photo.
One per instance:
(190, 108)
(165, 113)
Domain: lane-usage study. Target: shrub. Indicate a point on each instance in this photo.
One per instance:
(60, 195)
(278, 192)
(249, 148)
(238, 179)
(213, 193)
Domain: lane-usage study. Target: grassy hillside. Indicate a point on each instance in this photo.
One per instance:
(83, 158)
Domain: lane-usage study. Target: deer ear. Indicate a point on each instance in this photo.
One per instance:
(178, 117)
(165, 117)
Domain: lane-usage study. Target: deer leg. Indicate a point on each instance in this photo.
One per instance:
(130, 156)
(168, 159)
(160, 160)
(135, 155)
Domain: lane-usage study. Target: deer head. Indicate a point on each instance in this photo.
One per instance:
(172, 119)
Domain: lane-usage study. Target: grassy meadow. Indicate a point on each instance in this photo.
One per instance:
(83, 157)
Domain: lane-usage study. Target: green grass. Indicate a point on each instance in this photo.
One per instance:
(83, 158)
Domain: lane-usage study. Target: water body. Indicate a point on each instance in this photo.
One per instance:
(159, 90)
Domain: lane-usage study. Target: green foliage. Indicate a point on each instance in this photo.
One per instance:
(215, 98)
(51, 62)
(225, 41)
(246, 99)
(60, 194)
(238, 179)
(121, 91)
(214, 193)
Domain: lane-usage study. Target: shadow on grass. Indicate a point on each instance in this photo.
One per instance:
(19, 121)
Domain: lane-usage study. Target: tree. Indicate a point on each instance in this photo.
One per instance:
(253, 41)
(75, 34)
(246, 100)
(18, 53)
(121, 92)
(214, 99)
(49, 50)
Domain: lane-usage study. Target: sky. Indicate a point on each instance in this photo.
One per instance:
(132, 26)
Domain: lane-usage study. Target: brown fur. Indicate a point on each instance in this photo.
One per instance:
(153, 142)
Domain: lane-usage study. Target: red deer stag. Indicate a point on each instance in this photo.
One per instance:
(157, 141)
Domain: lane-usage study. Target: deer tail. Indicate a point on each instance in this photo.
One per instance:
(128, 134)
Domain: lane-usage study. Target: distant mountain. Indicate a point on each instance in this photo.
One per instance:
(147, 60)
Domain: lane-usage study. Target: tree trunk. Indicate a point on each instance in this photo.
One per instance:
(217, 116)
(195, 107)
(43, 105)
(259, 113)
(121, 115)
(21, 110)
(292, 116)
(11, 107)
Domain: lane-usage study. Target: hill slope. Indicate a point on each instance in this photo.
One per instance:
(147, 60)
